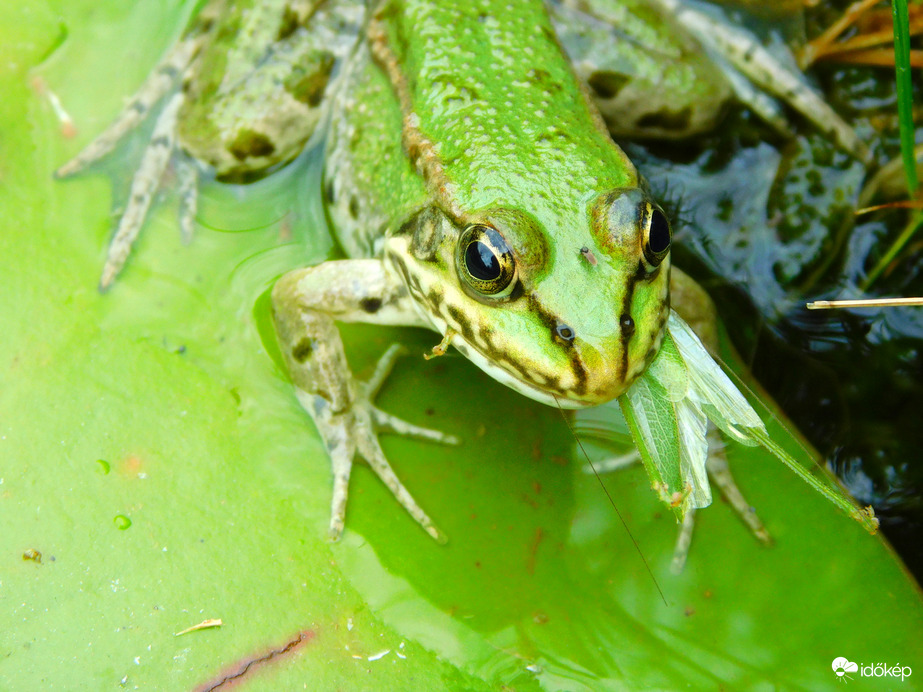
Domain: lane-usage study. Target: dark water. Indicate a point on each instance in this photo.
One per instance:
(766, 224)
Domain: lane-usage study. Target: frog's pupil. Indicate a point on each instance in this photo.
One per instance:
(481, 262)
(659, 236)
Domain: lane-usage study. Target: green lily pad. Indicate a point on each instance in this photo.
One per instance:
(156, 471)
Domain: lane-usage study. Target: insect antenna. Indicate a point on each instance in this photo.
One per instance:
(612, 502)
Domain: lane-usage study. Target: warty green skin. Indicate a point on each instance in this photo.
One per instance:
(647, 76)
(253, 97)
(482, 121)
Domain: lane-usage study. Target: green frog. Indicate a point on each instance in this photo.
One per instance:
(469, 177)
(486, 201)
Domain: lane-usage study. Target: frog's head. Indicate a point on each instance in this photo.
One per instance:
(573, 313)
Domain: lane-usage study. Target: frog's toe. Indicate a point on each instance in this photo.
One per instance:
(187, 175)
(367, 443)
(383, 368)
(683, 541)
(385, 422)
(341, 463)
(143, 186)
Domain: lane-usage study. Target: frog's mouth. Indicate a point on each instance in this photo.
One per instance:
(516, 382)
(527, 345)
(595, 389)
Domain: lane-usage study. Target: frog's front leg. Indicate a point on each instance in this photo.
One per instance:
(306, 303)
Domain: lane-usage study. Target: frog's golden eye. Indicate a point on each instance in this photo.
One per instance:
(657, 234)
(486, 262)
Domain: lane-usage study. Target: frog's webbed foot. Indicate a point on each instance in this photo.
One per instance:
(145, 184)
(158, 84)
(305, 304)
(356, 432)
(155, 159)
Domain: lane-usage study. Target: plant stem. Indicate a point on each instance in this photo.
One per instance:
(904, 93)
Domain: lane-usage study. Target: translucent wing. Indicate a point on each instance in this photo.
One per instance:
(668, 409)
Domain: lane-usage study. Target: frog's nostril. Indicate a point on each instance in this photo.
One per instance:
(628, 325)
(565, 332)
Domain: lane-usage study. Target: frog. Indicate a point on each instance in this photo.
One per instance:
(470, 179)
(526, 238)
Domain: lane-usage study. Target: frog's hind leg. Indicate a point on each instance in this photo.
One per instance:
(161, 81)
(757, 64)
(305, 304)
(143, 186)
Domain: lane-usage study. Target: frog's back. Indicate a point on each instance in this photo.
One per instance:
(490, 84)
(469, 105)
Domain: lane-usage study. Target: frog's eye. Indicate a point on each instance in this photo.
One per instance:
(657, 234)
(486, 262)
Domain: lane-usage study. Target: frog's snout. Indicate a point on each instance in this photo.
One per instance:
(603, 367)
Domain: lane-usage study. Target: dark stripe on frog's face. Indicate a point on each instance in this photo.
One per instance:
(659, 319)
(482, 338)
(622, 223)
(626, 312)
(641, 275)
